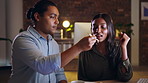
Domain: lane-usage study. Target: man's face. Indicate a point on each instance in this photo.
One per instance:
(99, 28)
(49, 21)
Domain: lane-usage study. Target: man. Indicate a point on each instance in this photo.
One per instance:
(35, 54)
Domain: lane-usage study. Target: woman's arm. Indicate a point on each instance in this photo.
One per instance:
(124, 39)
(125, 71)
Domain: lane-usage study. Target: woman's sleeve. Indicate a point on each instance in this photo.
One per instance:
(125, 71)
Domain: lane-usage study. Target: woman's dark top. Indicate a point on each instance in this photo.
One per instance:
(94, 66)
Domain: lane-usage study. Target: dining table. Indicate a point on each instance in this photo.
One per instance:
(133, 80)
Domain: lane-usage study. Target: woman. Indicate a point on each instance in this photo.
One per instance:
(108, 59)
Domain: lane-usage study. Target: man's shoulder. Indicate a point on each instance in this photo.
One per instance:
(25, 34)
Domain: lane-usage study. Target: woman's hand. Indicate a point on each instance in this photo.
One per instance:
(124, 39)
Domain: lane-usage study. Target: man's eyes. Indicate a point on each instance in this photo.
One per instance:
(53, 17)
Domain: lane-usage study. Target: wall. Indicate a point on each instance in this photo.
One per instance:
(11, 20)
(135, 37)
(84, 10)
(3, 32)
(143, 39)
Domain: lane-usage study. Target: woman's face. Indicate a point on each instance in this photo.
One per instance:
(99, 28)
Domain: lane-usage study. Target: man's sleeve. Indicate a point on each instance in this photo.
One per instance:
(26, 50)
(60, 75)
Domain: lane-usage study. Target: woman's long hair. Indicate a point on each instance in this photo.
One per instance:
(110, 27)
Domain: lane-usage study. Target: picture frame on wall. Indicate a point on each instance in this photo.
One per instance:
(144, 10)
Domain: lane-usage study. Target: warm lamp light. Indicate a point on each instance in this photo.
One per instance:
(66, 23)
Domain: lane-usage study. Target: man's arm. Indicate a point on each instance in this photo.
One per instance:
(84, 44)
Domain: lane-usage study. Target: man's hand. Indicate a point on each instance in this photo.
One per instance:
(63, 81)
(83, 45)
(86, 43)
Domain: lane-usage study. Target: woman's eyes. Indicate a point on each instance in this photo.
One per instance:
(102, 26)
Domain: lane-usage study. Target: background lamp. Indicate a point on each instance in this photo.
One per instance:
(66, 24)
